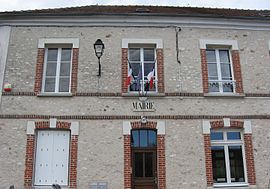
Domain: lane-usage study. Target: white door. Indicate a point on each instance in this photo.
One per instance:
(52, 157)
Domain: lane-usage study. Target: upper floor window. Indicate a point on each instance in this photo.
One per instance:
(142, 66)
(57, 70)
(221, 68)
(220, 77)
(142, 69)
(227, 157)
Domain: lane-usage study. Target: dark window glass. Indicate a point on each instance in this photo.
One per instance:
(64, 85)
(149, 54)
(134, 54)
(216, 135)
(51, 69)
(143, 138)
(138, 164)
(212, 70)
(135, 138)
(224, 56)
(148, 67)
(149, 164)
(236, 164)
(66, 55)
(152, 138)
(218, 163)
(49, 85)
(65, 69)
(226, 71)
(233, 136)
(52, 54)
(211, 56)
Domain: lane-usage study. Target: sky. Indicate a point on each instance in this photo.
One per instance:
(10, 5)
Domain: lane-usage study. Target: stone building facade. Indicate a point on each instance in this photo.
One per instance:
(202, 124)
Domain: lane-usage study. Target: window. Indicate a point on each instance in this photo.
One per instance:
(220, 77)
(52, 158)
(142, 67)
(227, 157)
(57, 70)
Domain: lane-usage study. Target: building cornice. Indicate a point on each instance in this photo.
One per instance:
(136, 21)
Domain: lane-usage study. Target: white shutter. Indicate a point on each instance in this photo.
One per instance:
(52, 157)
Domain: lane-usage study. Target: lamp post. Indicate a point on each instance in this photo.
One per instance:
(99, 48)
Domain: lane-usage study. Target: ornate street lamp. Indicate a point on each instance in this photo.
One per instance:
(99, 48)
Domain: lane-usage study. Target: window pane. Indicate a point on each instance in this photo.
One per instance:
(212, 70)
(49, 85)
(148, 67)
(138, 158)
(152, 140)
(149, 164)
(213, 87)
(64, 85)
(66, 55)
(52, 54)
(143, 138)
(135, 138)
(135, 68)
(51, 69)
(233, 136)
(224, 56)
(236, 164)
(65, 69)
(134, 54)
(218, 163)
(225, 71)
(149, 54)
(227, 86)
(216, 135)
(211, 56)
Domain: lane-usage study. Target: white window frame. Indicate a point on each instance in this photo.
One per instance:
(57, 78)
(141, 47)
(220, 81)
(226, 143)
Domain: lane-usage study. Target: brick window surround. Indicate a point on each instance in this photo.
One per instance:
(160, 61)
(161, 163)
(230, 124)
(32, 126)
(233, 46)
(40, 61)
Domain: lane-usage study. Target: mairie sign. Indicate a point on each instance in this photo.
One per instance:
(143, 106)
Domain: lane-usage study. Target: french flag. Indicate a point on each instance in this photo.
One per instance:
(129, 78)
(150, 78)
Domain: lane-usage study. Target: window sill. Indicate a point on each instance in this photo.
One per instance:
(232, 185)
(240, 95)
(54, 95)
(136, 94)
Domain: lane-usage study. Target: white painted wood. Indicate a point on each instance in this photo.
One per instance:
(52, 157)
(43, 41)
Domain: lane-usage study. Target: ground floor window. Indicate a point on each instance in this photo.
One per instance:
(227, 149)
(52, 157)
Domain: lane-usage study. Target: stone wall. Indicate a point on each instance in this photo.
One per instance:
(184, 77)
